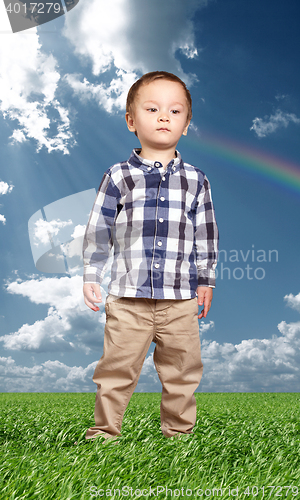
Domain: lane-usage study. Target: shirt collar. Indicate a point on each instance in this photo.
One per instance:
(151, 165)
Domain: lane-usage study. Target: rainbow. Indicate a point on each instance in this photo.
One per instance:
(275, 169)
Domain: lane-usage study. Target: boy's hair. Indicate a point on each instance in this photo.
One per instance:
(151, 77)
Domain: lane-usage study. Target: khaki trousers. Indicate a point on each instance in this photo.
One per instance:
(131, 325)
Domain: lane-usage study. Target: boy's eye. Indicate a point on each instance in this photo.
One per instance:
(152, 110)
(175, 111)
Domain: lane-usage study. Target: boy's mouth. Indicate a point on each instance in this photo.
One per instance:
(164, 129)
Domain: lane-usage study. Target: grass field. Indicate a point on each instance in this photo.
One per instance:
(245, 445)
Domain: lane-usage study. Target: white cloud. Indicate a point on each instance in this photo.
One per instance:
(255, 364)
(5, 188)
(44, 229)
(148, 381)
(79, 231)
(129, 37)
(110, 97)
(64, 294)
(60, 293)
(18, 136)
(269, 124)
(51, 376)
(204, 327)
(74, 248)
(122, 40)
(29, 80)
(293, 301)
(281, 97)
(69, 325)
(43, 336)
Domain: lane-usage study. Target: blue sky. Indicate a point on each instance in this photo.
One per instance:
(62, 95)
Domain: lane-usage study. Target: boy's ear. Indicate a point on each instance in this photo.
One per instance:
(186, 128)
(130, 122)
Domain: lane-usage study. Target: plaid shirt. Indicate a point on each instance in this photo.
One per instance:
(160, 225)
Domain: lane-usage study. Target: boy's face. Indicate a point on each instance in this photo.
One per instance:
(159, 115)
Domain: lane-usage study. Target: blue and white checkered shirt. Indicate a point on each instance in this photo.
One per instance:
(160, 225)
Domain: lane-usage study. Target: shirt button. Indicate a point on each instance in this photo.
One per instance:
(156, 265)
(174, 168)
(159, 243)
(162, 198)
(163, 178)
(157, 164)
(148, 168)
(161, 219)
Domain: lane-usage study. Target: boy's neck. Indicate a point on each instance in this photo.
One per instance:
(164, 157)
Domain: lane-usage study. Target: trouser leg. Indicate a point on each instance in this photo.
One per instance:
(128, 335)
(177, 358)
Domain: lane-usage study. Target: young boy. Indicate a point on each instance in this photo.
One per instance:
(156, 212)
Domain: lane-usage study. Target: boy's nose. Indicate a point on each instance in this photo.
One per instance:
(164, 118)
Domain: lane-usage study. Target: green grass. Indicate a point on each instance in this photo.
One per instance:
(240, 440)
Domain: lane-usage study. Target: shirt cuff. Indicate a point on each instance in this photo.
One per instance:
(207, 277)
(91, 275)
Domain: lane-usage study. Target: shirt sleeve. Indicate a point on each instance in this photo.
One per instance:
(98, 240)
(206, 237)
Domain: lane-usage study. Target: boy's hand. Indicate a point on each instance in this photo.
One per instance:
(205, 295)
(89, 289)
